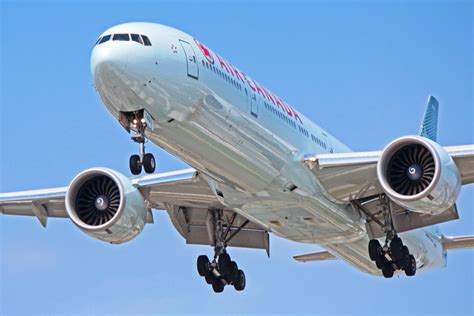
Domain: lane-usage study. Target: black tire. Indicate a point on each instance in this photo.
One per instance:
(203, 265)
(406, 258)
(233, 270)
(149, 163)
(217, 285)
(374, 249)
(240, 281)
(135, 166)
(410, 269)
(209, 277)
(380, 261)
(224, 263)
(387, 270)
(396, 246)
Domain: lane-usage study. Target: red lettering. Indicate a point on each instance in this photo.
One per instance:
(287, 108)
(259, 89)
(268, 95)
(279, 103)
(222, 62)
(248, 82)
(236, 72)
(296, 115)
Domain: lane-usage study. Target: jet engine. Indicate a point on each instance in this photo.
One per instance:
(105, 205)
(419, 175)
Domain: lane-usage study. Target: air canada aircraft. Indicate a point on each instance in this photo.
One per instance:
(258, 167)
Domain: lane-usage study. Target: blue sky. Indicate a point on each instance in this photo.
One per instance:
(362, 70)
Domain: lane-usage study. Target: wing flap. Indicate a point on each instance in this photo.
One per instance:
(317, 256)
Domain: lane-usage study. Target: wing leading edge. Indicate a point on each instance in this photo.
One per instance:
(184, 194)
(351, 176)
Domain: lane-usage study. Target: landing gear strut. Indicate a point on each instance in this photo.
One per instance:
(393, 255)
(222, 270)
(147, 161)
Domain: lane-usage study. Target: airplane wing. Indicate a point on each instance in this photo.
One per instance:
(461, 242)
(184, 194)
(352, 176)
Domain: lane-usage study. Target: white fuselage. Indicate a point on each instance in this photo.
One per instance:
(246, 141)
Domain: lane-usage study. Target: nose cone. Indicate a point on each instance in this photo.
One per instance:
(107, 62)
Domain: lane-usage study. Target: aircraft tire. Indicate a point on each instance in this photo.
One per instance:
(135, 166)
(202, 265)
(410, 269)
(240, 281)
(224, 263)
(217, 285)
(396, 246)
(374, 249)
(387, 270)
(149, 163)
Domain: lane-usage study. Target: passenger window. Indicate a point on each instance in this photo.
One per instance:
(121, 37)
(146, 40)
(136, 38)
(104, 39)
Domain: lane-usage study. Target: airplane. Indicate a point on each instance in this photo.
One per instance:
(258, 166)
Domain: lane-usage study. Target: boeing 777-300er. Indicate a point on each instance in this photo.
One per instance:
(258, 167)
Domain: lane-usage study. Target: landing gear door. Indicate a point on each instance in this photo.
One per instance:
(191, 59)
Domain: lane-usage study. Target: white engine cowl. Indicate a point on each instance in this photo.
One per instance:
(105, 205)
(419, 175)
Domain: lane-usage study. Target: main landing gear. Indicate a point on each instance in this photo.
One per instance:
(222, 270)
(393, 255)
(147, 161)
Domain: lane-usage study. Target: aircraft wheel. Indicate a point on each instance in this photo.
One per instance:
(209, 277)
(224, 263)
(202, 265)
(135, 165)
(374, 249)
(405, 261)
(380, 261)
(396, 246)
(240, 281)
(231, 275)
(387, 270)
(217, 285)
(149, 163)
(410, 269)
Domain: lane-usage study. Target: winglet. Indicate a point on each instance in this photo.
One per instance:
(429, 126)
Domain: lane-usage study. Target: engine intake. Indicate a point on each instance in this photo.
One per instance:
(418, 174)
(104, 204)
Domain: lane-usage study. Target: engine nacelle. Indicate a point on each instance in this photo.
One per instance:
(419, 175)
(105, 205)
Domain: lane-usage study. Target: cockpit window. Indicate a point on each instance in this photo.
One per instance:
(136, 38)
(104, 39)
(146, 40)
(98, 41)
(121, 37)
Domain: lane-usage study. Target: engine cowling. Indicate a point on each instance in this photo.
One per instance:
(105, 205)
(419, 175)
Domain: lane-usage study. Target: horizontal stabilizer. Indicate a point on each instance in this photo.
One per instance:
(317, 256)
(463, 242)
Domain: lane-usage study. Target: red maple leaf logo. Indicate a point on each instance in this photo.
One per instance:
(205, 51)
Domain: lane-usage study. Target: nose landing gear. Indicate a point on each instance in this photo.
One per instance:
(147, 161)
